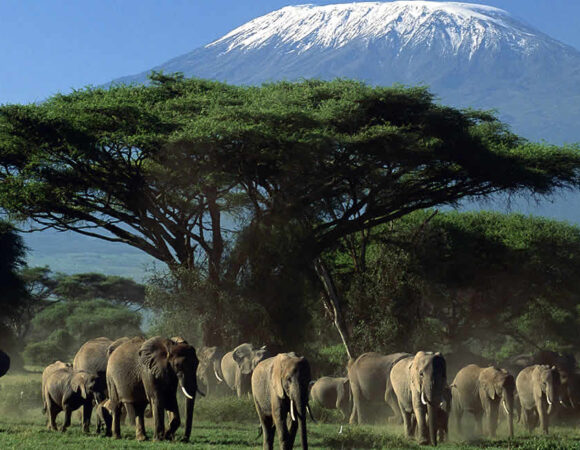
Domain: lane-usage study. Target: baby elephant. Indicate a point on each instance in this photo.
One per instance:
(65, 390)
(104, 417)
(333, 393)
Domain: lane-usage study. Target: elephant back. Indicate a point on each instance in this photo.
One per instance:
(92, 356)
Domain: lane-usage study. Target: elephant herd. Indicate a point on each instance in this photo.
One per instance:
(414, 389)
(127, 376)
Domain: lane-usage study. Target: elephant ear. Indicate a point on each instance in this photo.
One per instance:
(154, 354)
(243, 356)
(278, 367)
(489, 390)
(78, 384)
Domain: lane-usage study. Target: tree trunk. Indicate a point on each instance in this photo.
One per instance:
(332, 303)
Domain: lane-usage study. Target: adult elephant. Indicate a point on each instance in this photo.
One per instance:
(92, 357)
(142, 372)
(65, 389)
(237, 367)
(280, 386)
(209, 371)
(538, 387)
(4, 363)
(480, 391)
(333, 393)
(368, 376)
(418, 383)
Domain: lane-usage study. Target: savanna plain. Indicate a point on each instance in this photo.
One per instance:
(229, 422)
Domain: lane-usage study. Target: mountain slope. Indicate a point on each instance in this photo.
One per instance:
(470, 55)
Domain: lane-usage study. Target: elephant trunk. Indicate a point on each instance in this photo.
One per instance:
(507, 401)
(301, 404)
(432, 413)
(189, 390)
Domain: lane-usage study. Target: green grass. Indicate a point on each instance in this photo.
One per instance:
(227, 423)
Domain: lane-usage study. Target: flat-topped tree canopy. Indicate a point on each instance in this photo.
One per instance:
(158, 166)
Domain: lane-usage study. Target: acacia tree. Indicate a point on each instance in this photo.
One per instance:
(161, 167)
(479, 281)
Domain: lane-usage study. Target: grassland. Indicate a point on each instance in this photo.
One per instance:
(225, 423)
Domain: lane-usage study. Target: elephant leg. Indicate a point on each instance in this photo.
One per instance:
(363, 412)
(116, 409)
(493, 418)
(158, 419)
(529, 419)
(543, 416)
(279, 417)
(67, 418)
(356, 395)
(353, 419)
(391, 400)
(479, 421)
(131, 409)
(458, 420)
(421, 425)
(407, 422)
(268, 432)
(292, 432)
(87, 411)
(53, 411)
(174, 419)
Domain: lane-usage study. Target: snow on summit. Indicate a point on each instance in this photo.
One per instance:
(408, 22)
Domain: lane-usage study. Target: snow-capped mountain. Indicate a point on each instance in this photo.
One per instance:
(469, 55)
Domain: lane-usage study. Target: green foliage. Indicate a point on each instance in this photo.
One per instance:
(296, 167)
(501, 284)
(61, 328)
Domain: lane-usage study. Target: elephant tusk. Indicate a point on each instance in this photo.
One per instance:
(200, 392)
(505, 407)
(292, 411)
(423, 398)
(217, 376)
(572, 403)
(310, 412)
(563, 404)
(548, 398)
(185, 393)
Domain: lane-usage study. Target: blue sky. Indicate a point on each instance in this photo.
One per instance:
(53, 46)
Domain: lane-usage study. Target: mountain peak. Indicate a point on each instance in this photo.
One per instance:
(334, 26)
(469, 55)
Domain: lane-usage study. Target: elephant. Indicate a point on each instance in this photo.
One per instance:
(4, 363)
(442, 415)
(564, 362)
(480, 391)
(462, 357)
(65, 389)
(104, 417)
(280, 386)
(418, 383)
(538, 388)
(333, 393)
(209, 371)
(237, 367)
(92, 357)
(142, 372)
(368, 376)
